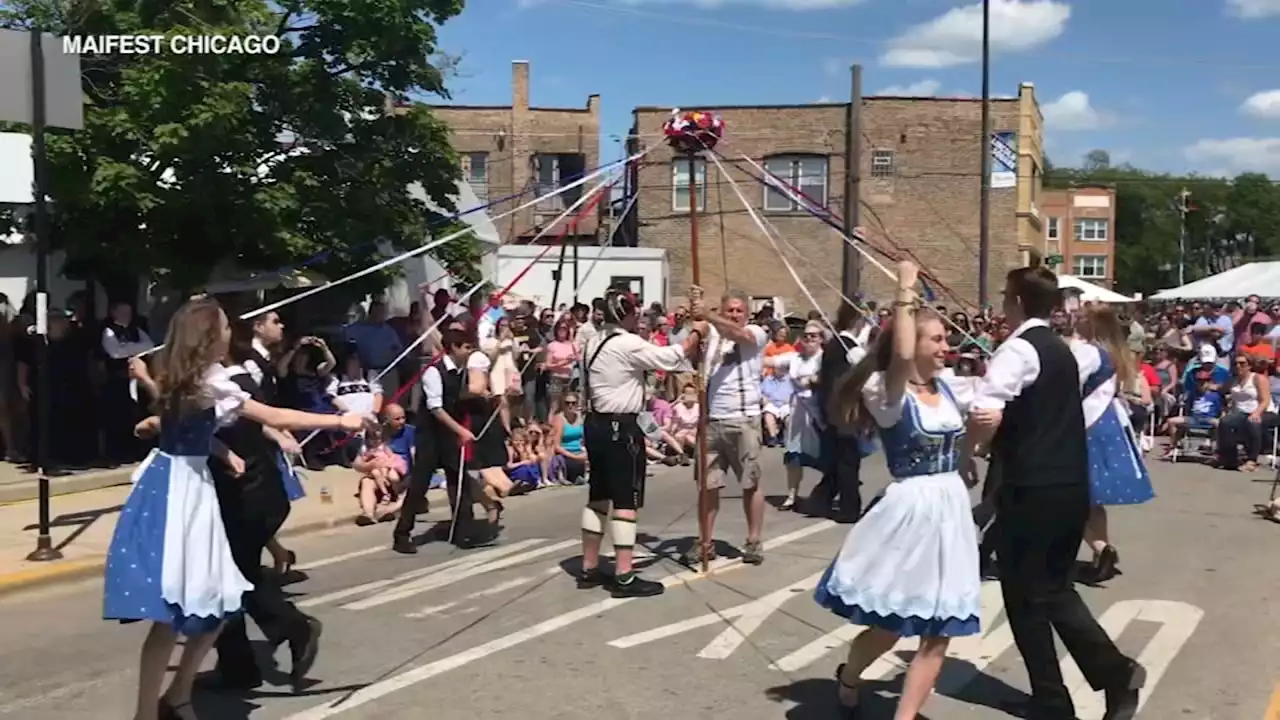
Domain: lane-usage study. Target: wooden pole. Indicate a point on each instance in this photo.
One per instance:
(700, 468)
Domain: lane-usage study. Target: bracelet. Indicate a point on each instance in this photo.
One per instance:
(906, 303)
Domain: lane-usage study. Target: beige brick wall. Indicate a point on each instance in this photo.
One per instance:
(512, 135)
(930, 206)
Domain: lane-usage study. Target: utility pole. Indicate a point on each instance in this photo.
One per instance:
(984, 194)
(1183, 206)
(853, 182)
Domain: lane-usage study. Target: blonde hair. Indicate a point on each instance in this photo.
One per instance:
(846, 402)
(1102, 325)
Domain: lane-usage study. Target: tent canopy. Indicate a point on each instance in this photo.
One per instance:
(1256, 278)
(1090, 292)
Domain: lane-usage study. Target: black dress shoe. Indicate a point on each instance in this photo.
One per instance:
(1122, 700)
(303, 648)
(404, 546)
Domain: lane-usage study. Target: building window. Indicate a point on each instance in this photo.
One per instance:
(553, 171)
(1053, 232)
(1091, 229)
(806, 173)
(1089, 266)
(680, 183)
(475, 169)
(882, 165)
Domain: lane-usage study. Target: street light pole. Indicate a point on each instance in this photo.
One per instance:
(984, 194)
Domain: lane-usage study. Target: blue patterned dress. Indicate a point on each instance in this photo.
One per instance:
(1117, 475)
(910, 565)
(169, 560)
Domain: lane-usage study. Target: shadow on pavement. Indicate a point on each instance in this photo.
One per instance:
(81, 521)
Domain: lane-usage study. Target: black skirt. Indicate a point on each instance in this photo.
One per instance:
(490, 447)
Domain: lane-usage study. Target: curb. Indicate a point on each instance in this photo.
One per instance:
(61, 572)
(29, 490)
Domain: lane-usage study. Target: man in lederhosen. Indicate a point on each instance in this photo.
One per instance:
(441, 434)
(613, 389)
(1028, 405)
(254, 506)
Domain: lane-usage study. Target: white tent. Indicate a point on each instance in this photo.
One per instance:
(1256, 278)
(1090, 292)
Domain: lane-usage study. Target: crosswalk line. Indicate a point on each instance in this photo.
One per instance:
(455, 575)
(422, 673)
(498, 589)
(469, 560)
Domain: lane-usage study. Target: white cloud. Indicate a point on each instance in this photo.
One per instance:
(1231, 156)
(1253, 8)
(955, 37)
(1074, 111)
(1264, 105)
(824, 100)
(773, 4)
(924, 88)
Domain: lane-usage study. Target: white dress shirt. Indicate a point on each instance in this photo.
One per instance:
(616, 376)
(433, 384)
(1015, 365)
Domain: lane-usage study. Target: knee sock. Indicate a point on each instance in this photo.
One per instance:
(623, 531)
(593, 520)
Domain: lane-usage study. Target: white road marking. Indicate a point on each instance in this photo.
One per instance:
(1178, 621)
(743, 620)
(430, 670)
(469, 560)
(456, 575)
(323, 562)
(970, 650)
(67, 690)
(487, 592)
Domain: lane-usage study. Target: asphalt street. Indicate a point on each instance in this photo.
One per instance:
(501, 632)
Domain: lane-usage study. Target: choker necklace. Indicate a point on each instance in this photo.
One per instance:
(922, 383)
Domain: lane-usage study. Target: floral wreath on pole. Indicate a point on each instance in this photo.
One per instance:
(693, 131)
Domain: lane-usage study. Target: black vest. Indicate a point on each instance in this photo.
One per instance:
(1041, 440)
(270, 384)
(431, 432)
(245, 438)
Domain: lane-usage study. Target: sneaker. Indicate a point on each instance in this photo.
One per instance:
(635, 586)
(691, 558)
(753, 552)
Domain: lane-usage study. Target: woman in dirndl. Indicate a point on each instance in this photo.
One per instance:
(1117, 475)
(804, 430)
(909, 566)
(169, 561)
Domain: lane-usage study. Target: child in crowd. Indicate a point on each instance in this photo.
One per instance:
(382, 478)
(1206, 409)
(523, 464)
(776, 390)
(682, 423)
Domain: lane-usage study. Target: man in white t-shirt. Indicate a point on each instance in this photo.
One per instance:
(735, 366)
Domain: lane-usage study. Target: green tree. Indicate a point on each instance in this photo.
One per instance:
(1230, 221)
(190, 161)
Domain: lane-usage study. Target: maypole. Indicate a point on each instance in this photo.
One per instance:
(689, 134)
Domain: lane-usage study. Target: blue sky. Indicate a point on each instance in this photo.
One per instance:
(1170, 85)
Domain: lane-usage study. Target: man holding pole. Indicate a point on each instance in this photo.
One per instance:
(615, 363)
(733, 418)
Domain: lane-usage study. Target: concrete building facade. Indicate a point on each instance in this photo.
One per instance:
(920, 160)
(509, 148)
(1079, 227)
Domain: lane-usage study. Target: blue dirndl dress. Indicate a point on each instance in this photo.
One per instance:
(910, 564)
(1117, 475)
(292, 483)
(169, 560)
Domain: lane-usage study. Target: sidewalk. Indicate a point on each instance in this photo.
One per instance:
(82, 524)
(17, 485)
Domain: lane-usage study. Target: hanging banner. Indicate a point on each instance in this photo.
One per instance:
(1004, 160)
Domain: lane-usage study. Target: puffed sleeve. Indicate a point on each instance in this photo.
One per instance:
(479, 361)
(962, 388)
(876, 400)
(228, 397)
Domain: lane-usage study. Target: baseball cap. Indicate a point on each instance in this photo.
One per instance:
(1208, 354)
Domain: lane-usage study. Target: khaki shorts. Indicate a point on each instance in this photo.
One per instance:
(733, 445)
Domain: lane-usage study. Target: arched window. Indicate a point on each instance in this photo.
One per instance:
(805, 173)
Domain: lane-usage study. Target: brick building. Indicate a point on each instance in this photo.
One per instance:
(919, 188)
(1079, 226)
(508, 148)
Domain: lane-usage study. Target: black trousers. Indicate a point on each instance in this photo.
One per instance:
(841, 478)
(988, 517)
(119, 413)
(251, 519)
(1041, 530)
(430, 456)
